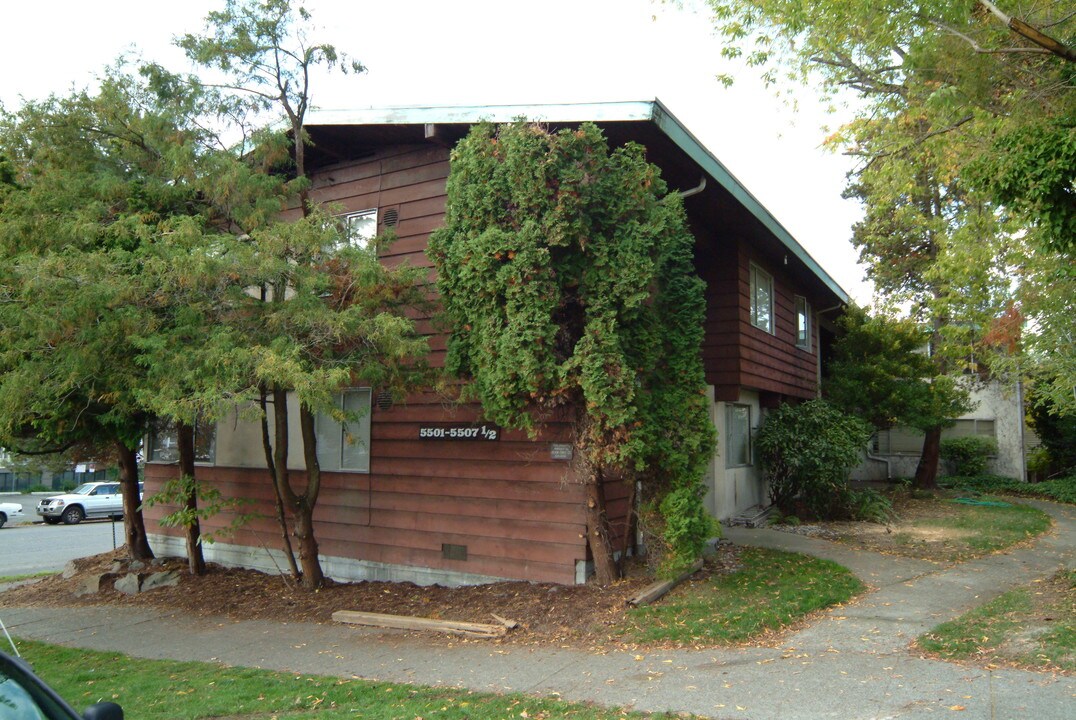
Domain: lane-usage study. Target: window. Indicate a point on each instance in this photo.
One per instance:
(164, 445)
(361, 227)
(963, 428)
(761, 299)
(904, 440)
(346, 445)
(738, 434)
(803, 323)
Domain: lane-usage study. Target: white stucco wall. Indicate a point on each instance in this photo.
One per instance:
(994, 400)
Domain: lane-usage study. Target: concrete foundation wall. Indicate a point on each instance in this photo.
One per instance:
(273, 562)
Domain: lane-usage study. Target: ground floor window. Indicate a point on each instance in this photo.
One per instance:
(900, 440)
(345, 446)
(164, 443)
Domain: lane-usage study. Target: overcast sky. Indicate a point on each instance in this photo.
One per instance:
(490, 52)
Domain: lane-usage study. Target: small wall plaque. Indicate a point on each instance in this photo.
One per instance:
(561, 451)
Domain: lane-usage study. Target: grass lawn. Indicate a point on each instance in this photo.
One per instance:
(168, 690)
(1033, 627)
(771, 590)
(939, 528)
(28, 576)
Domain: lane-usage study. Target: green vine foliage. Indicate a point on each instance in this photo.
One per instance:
(565, 269)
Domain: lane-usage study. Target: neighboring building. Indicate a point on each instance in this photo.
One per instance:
(998, 413)
(431, 494)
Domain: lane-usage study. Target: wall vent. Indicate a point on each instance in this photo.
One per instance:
(453, 552)
(391, 217)
(384, 400)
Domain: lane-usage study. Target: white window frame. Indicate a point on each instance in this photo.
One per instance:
(804, 326)
(733, 411)
(357, 238)
(762, 317)
(335, 439)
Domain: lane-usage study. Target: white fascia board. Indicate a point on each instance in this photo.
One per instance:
(470, 114)
(639, 110)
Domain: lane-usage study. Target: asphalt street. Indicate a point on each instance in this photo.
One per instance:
(27, 546)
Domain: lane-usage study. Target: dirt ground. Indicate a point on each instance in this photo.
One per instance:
(920, 527)
(579, 615)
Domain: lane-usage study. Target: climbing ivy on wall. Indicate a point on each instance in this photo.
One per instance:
(566, 273)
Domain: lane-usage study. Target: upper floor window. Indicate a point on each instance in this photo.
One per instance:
(361, 227)
(345, 446)
(761, 299)
(803, 323)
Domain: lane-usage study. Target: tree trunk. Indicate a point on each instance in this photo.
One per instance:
(281, 518)
(133, 525)
(193, 528)
(629, 529)
(601, 549)
(926, 474)
(313, 577)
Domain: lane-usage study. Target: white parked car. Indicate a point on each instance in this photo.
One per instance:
(8, 511)
(88, 500)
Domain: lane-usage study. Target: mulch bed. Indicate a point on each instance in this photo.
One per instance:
(577, 615)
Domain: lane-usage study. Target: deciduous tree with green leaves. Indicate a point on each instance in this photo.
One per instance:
(963, 123)
(565, 269)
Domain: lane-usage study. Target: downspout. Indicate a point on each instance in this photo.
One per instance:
(693, 191)
(818, 365)
(888, 464)
(1023, 439)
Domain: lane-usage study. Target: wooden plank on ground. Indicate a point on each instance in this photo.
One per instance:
(404, 622)
(655, 591)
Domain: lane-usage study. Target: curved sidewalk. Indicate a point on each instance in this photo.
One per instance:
(851, 664)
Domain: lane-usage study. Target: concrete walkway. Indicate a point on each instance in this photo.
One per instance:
(851, 664)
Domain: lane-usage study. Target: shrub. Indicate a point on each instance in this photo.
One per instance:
(36, 488)
(1062, 489)
(968, 455)
(869, 505)
(806, 451)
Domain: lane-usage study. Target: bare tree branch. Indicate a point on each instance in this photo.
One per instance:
(1028, 32)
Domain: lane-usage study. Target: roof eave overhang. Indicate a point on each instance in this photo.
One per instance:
(652, 111)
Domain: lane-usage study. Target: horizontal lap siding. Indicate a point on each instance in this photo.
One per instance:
(772, 362)
(519, 513)
(735, 353)
(720, 353)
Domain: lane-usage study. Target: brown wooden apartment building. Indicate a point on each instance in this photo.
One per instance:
(431, 498)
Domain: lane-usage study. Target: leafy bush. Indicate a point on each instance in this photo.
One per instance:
(869, 505)
(1039, 461)
(36, 488)
(968, 455)
(1061, 489)
(806, 452)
